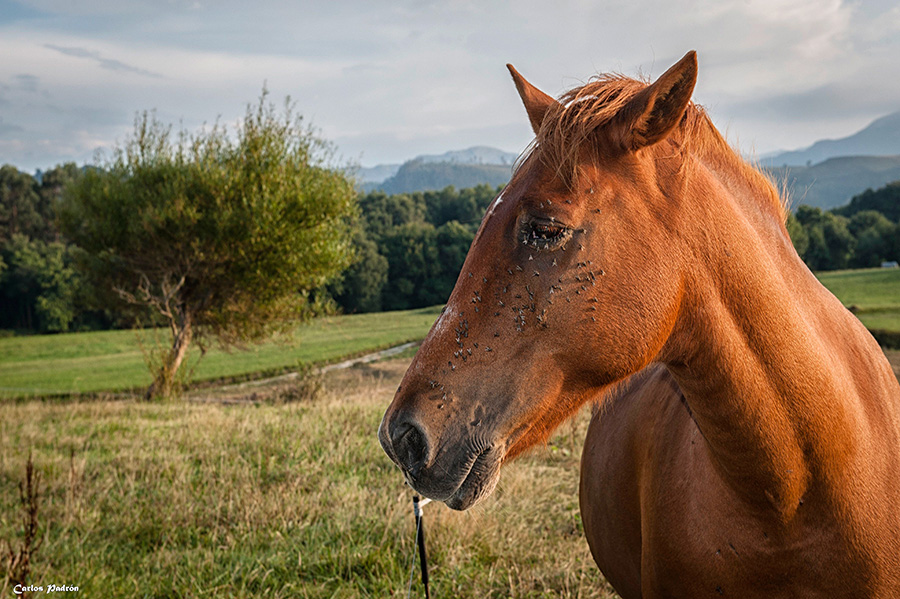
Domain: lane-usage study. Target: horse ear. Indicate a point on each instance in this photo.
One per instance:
(657, 109)
(536, 102)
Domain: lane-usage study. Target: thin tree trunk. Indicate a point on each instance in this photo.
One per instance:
(182, 333)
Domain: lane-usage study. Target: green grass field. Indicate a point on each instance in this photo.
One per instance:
(185, 499)
(875, 292)
(112, 361)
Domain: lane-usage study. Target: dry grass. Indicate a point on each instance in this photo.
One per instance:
(192, 499)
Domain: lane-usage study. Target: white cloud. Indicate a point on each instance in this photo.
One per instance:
(392, 80)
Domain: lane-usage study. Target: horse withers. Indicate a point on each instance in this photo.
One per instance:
(747, 440)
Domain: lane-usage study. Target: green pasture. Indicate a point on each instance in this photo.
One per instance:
(111, 361)
(874, 293)
(297, 500)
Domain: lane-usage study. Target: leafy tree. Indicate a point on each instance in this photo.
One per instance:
(798, 234)
(868, 219)
(39, 286)
(20, 210)
(411, 252)
(466, 206)
(412, 246)
(50, 192)
(885, 200)
(453, 241)
(874, 238)
(830, 242)
(839, 240)
(382, 213)
(446, 205)
(424, 263)
(225, 236)
(360, 287)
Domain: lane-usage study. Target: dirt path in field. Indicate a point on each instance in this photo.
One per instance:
(295, 386)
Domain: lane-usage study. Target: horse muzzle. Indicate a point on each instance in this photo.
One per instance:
(459, 474)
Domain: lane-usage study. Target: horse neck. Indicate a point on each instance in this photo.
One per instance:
(781, 380)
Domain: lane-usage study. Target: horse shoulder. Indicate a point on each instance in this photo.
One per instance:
(660, 521)
(626, 440)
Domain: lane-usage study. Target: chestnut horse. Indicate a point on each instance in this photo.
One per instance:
(747, 442)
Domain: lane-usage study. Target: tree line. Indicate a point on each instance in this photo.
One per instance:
(408, 249)
(863, 234)
(41, 290)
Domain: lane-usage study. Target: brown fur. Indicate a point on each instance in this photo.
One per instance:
(752, 445)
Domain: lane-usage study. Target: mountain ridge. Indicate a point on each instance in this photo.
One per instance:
(370, 177)
(881, 137)
(834, 182)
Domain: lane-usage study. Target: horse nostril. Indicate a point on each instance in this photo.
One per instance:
(409, 446)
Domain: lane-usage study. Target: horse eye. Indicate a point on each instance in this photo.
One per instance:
(546, 232)
(545, 235)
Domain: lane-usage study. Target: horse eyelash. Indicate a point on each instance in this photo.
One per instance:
(544, 244)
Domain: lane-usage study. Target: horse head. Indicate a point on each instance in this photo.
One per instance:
(572, 284)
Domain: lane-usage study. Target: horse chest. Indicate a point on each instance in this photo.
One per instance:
(660, 523)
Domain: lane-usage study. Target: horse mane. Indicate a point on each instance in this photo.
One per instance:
(570, 126)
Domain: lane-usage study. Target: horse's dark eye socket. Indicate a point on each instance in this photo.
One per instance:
(545, 232)
(545, 235)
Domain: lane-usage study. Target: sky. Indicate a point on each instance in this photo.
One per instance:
(386, 81)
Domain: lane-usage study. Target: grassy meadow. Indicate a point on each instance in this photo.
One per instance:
(874, 293)
(111, 361)
(189, 499)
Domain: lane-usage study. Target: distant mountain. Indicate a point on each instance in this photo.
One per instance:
(459, 168)
(376, 174)
(416, 175)
(833, 182)
(474, 155)
(879, 138)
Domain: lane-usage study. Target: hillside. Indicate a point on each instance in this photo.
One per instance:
(418, 175)
(375, 174)
(833, 182)
(460, 168)
(473, 155)
(826, 175)
(880, 138)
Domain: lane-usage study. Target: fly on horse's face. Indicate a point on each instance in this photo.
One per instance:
(571, 284)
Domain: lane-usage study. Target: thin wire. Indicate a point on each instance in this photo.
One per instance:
(412, 562)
